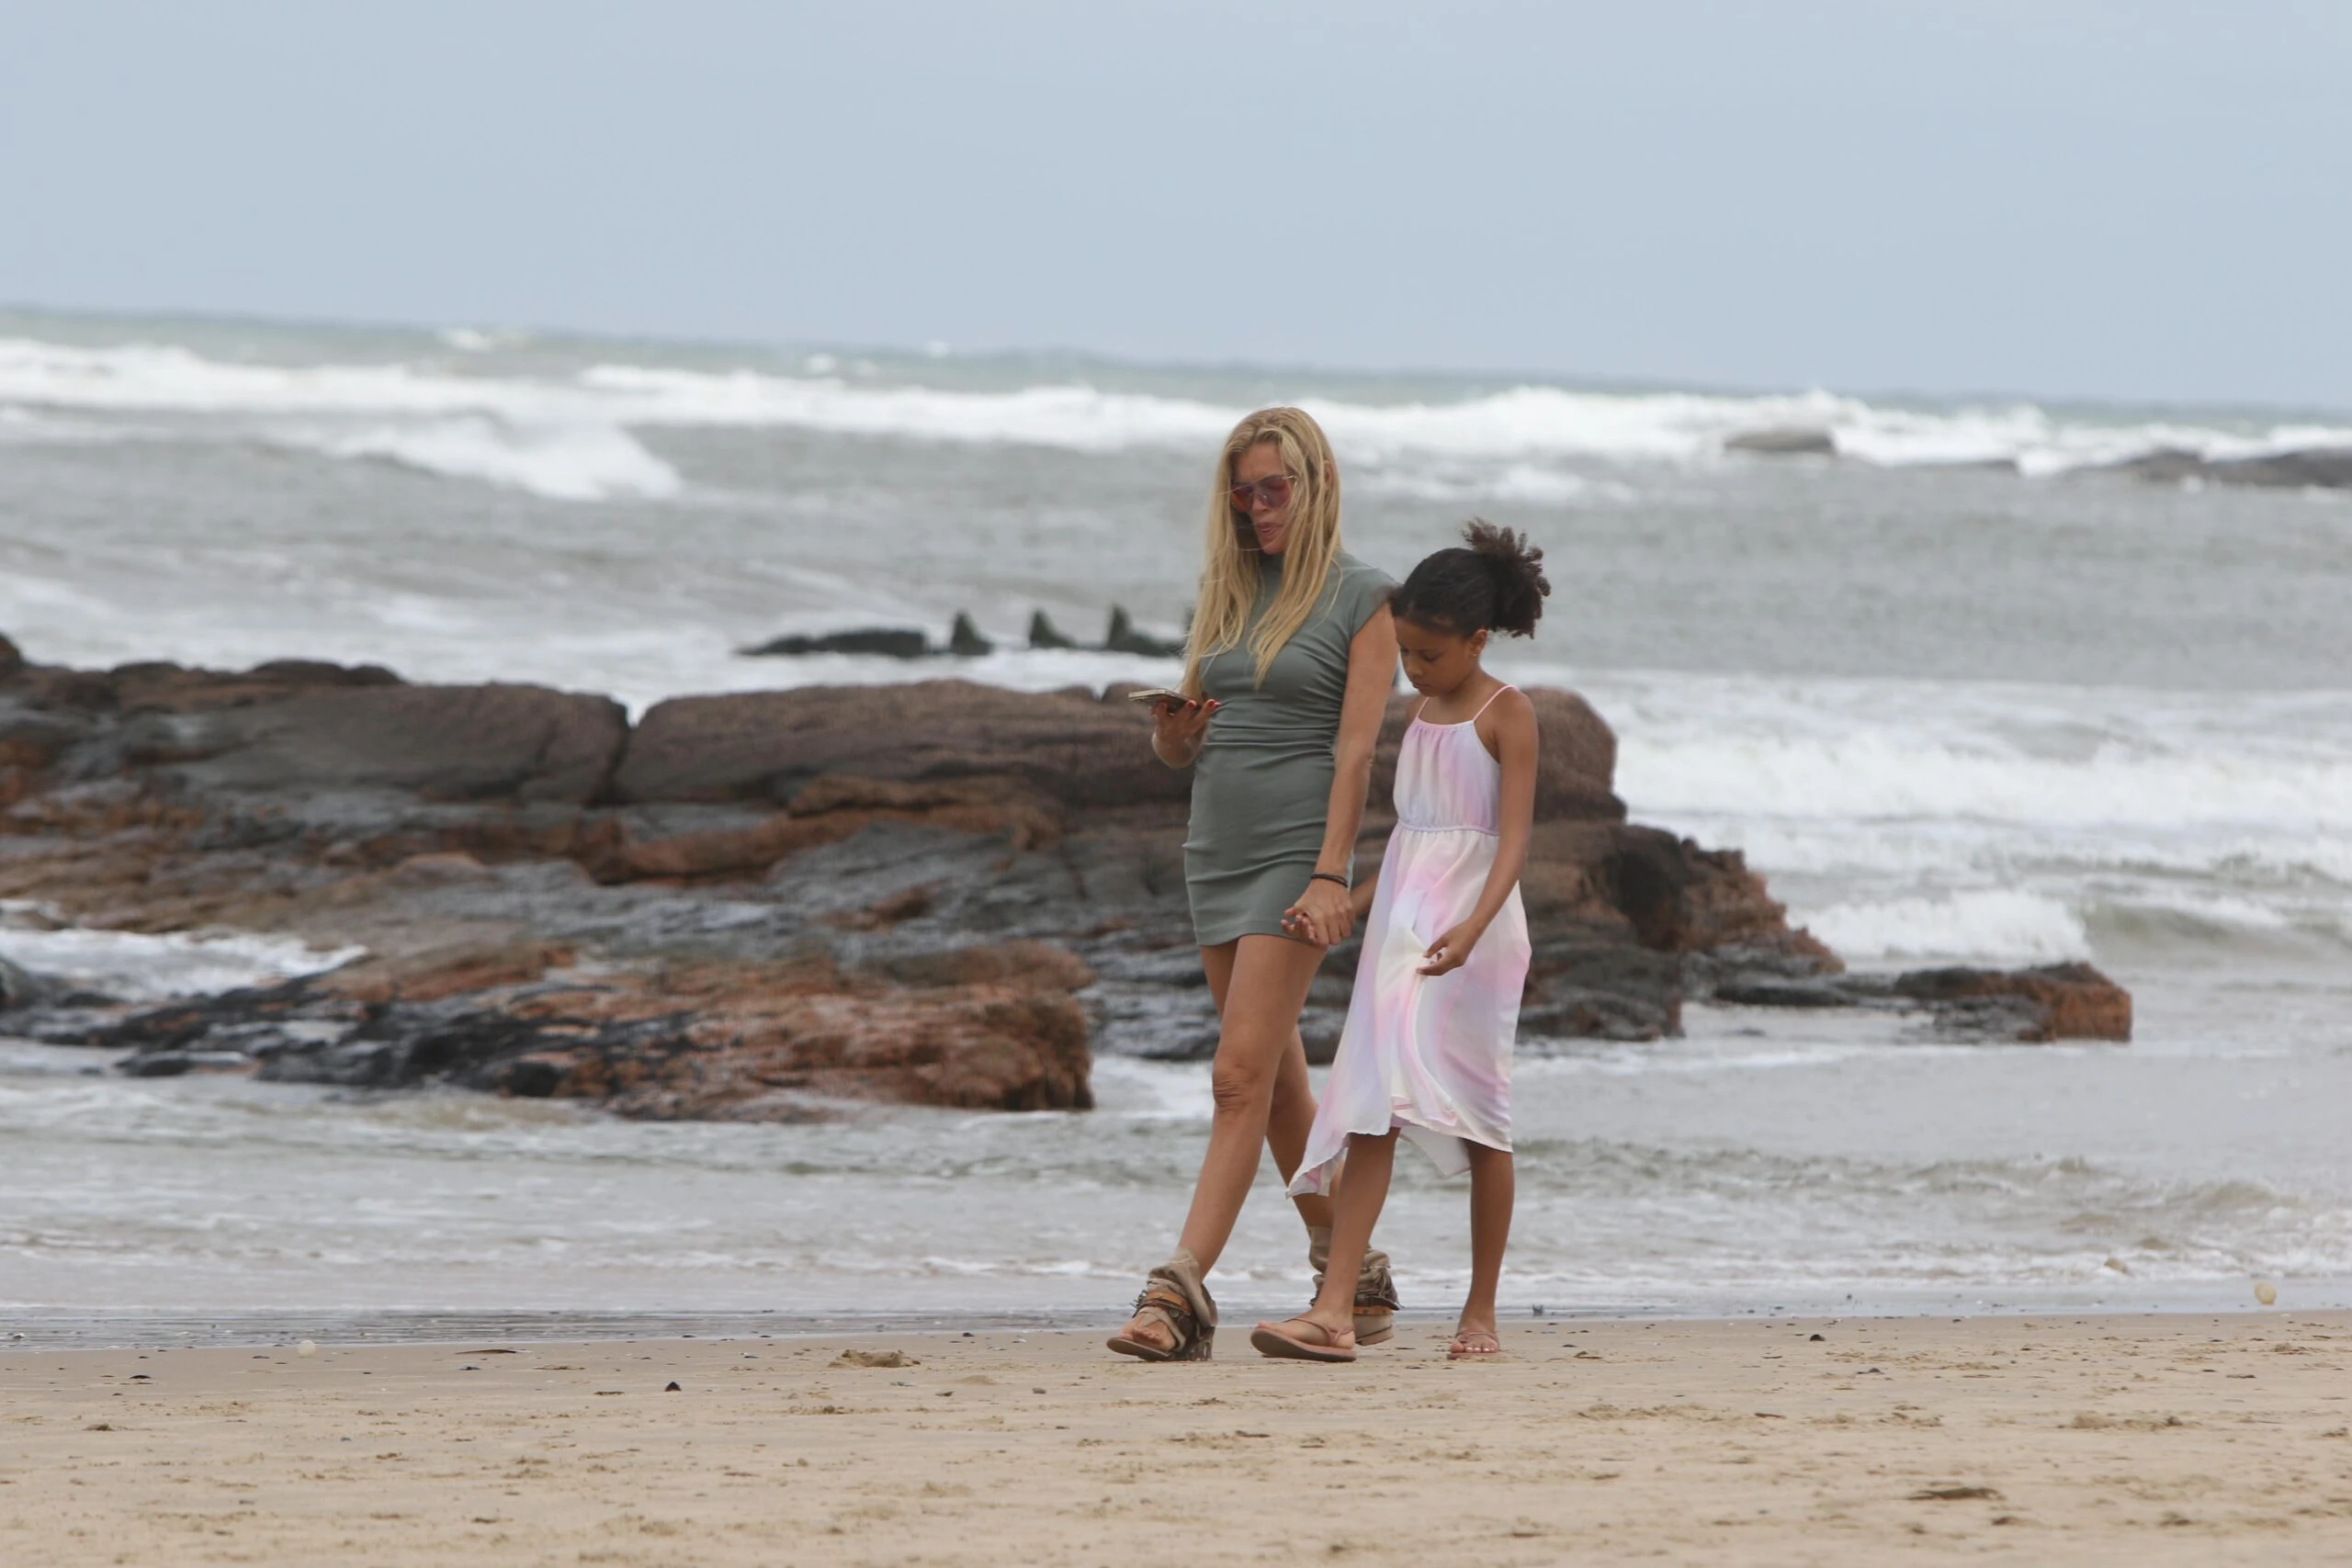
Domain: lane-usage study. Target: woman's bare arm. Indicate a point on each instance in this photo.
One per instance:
(1324, 908)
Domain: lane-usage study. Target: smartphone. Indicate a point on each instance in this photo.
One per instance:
(1158, 696)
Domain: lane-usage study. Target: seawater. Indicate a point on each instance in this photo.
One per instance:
(1953, 713)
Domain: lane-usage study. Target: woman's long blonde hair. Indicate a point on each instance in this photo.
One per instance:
(1229, 577)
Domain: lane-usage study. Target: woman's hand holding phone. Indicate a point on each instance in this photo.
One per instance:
(1179, 724)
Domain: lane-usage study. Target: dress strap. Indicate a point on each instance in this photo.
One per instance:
(1489, 703)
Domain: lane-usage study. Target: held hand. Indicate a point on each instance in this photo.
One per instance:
(1177, 729)
(1321, 915)
(1452, 951)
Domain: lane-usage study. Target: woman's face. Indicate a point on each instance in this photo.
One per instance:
(1270, 523)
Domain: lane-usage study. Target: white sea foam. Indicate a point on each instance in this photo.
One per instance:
(1998, 924)
(1873, 776)
(135, 967)
(566, 462)
(1530, 425)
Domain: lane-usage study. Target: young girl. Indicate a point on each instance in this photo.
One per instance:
(1428, 1044)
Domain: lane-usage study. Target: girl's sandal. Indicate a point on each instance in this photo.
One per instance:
(1313, 1343)
(1188, 1338)
(1376, 1304)
(1474, 1345)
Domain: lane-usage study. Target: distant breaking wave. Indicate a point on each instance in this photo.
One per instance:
(567, 436)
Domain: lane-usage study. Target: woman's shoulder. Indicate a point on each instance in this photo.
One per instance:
(1358, 588)
(1348, 569)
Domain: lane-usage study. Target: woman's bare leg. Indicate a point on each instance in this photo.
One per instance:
(1292, 1115)
(1264, 986)
(1260, 1026)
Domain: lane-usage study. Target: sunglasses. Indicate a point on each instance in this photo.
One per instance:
(1274, 492)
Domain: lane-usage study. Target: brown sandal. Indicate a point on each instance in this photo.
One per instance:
(1376, 1302)
(1327, 1346)
(1174, 1298)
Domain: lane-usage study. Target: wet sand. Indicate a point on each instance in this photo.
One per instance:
(2152, 1439)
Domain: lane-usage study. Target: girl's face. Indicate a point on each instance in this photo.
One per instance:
(1436, 661)
(1270, 494)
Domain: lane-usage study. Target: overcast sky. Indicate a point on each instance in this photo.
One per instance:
(2136, 199)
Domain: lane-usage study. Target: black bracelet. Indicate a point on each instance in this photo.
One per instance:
(1330, 876)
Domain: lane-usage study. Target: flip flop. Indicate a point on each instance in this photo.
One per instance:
(1463, 1350)
(1325, 1345)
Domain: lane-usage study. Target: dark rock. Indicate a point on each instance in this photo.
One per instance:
(36, 739)
(173, 1064)
(2321, 468)
(1771, 991)
(888, 641)
(2064, 1001)
(982, 1027)
(12, 660)
(1584, 982)
(21, 988)
(2165, 465)
(2059, 1001)
(1123, 638)
(1058, 747)
(2327, 467)
(971, 889)
(1318, 1031)
(318, 672)
(965, 640)
(1681, 898)
(1043, 633)
(459, 743)
(1785, 442)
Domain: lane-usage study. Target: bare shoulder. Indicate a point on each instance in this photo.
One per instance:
(1507, 723)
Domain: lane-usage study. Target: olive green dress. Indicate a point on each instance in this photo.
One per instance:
(1261, 789)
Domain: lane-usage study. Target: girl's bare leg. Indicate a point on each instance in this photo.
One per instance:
(1371, 1156)
(1493, 1190)
(1292, 1114)
(1265, 988)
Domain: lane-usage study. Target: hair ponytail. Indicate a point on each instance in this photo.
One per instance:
(1496, 584)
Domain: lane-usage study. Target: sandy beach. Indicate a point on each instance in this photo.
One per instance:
(2186, 1438)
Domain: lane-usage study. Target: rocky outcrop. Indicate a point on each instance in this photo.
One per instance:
(2326, 468)
(980, 1028)
(1067, 748)
(768, 904)
(888, 642)
(2059, 1001)
(1786, 441)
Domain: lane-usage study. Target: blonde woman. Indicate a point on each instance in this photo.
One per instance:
(1286, 675)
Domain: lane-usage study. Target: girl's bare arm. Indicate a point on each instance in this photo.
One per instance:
(1513, 720)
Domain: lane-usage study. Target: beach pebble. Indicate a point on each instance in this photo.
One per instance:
(307, 1347)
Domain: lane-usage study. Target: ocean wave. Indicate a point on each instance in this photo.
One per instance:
(568, 462)
(135, 967)
(1535, 425)
(1872, 777)
(1999, 924)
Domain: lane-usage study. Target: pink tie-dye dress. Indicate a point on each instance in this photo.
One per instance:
(1430, 1056)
